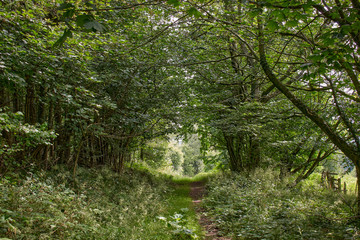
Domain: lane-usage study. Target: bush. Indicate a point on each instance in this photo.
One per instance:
(18, 139)
(103, 205)
(259, 206)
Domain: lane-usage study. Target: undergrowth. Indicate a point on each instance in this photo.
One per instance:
(99, 205)
(262, 207)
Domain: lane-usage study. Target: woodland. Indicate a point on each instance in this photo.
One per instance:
(109, 109)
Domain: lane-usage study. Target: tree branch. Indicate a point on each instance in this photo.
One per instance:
(348, 150)
(343, 115)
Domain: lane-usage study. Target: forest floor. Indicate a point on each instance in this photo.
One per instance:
(197, 192)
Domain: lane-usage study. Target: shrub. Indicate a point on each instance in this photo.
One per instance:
(259, 206)
(103, 205)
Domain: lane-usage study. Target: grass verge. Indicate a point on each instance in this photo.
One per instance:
(102, 205)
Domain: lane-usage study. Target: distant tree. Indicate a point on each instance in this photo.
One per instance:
(154, 152)
(192, 163)
(188, 167)
(175, 160)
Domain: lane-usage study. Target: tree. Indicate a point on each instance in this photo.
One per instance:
(105, 78)
(192, 163)
(175, 160)
(331, 67)
(98, 99)
(307, 50)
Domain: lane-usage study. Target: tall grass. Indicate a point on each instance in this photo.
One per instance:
(260, 206)
(99, 205)
(350, 180)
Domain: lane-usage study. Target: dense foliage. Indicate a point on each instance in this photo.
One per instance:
(99, 80)
(262, 207)
(247, 85)
(99, 102)
(103, 205)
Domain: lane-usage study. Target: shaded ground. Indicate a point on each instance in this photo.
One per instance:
(197, 192)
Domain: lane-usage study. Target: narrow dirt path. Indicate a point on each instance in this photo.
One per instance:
(197, 192)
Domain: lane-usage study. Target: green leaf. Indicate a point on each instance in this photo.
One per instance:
(93, 6)
(328, 41)
(356, 27)
(292, 23)
(81, 20)
(194, 12)
(94, 25)
(279, 15)
(255, 12)
(67, 33)
(345, 29)
(175, 3)
(272, 25)
(64, 6)
(68, 14)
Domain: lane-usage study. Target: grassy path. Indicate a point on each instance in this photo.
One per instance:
(188, 195)
(180, 202)
(197, 192)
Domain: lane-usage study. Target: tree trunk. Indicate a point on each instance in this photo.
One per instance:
(41, 105)
(30, 108)
(233, 148)
(254, 154)
(17, 102)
